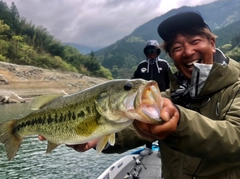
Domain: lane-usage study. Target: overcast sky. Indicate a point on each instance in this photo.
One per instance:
(94, 22)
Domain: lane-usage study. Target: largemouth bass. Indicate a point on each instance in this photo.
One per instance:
(97, 112)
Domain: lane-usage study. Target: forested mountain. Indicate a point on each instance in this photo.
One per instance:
(226, 33)
(24, 43)
(122, 57)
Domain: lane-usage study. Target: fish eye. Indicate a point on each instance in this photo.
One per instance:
(128, 86)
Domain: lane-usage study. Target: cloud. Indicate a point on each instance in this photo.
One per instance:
(94, 22)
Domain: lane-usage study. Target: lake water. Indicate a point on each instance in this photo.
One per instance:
(31, 162)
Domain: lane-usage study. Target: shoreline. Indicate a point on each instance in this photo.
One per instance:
(28, 82)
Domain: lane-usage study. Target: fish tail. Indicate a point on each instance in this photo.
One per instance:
(9, 138)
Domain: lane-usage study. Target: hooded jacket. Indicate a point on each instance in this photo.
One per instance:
(153, 69)
(206, 144)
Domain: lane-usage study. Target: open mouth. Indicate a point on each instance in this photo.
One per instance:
(145, 105)
(190, 64)
(151, 103)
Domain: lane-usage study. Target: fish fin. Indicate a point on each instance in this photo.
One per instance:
(102, 143)
(41, 101)
(51, 146)
(111, 139)
(10, 140)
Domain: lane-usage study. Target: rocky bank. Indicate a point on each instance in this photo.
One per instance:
(20, 83)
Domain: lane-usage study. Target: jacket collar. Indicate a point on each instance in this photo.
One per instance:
(206, 79)
(152, 62)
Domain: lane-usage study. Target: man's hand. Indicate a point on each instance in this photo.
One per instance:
(84, 147)
(169, 113)
(79, 147)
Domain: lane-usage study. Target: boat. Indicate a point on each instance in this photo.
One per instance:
(142, 163)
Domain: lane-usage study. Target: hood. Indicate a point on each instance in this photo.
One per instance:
(152, 44)
(221, 76)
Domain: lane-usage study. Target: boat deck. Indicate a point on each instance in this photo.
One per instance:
(149, 167)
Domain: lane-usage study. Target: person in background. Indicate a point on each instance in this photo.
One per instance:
(200, 137)
(153, 68)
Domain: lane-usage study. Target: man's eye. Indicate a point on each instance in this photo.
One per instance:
(195, 41)
(176, 49)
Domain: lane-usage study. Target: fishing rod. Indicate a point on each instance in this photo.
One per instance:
(135, 173)
(138, 162)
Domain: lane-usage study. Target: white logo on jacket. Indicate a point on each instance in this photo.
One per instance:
(143, 70)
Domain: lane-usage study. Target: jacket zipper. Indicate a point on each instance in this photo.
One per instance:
(151, 71)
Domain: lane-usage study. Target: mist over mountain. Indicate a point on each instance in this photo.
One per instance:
(83, 48)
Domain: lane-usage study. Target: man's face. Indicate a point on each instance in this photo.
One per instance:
(152, 53)
(187, 50)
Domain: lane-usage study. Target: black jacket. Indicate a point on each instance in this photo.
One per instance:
(154, 69)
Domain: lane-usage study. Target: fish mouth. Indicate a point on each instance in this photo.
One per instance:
(150, 103)
(147, 104)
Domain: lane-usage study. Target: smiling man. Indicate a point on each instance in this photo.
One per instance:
(200, 137)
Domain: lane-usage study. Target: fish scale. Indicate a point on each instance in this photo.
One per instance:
(95, 113)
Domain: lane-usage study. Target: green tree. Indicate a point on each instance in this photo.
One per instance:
(235, 41)
(16, 29)
(14, 12)
(92, 63)
(3, 27)
(234, 54)
(5, 13)
(227, 47)
(3, 43)
(54, 47)
(17, 39)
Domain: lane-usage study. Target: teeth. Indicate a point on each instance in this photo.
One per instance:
(191, 63)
